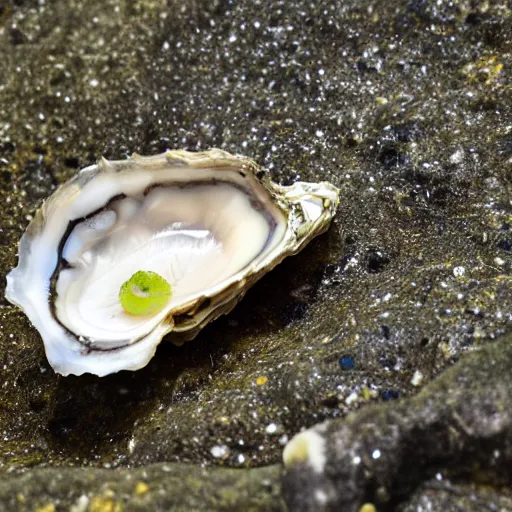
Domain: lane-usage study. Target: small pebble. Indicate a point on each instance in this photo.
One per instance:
(347, 363)
(219, 451)
(459, 271)
(417, 378)
(141, 488)
(390, 394)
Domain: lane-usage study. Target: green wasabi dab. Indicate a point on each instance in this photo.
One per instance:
(145, 293)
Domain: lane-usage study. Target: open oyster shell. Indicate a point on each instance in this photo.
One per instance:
(209, 223)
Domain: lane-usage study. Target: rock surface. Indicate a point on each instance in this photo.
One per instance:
(404, 105)
(156, 487)
(459, 426)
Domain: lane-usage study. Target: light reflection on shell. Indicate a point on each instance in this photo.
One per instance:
(210, 223)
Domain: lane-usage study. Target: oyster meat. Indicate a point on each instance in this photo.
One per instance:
(209, 224)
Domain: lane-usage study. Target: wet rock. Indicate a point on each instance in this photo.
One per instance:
(459, 426)
(156, 487)
(443, 494)
(405, 106)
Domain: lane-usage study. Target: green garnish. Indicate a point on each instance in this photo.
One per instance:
(145, 293)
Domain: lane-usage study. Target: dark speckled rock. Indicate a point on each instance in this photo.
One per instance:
(450, 497)
(459, 426)
(158, 487)
(404, 105)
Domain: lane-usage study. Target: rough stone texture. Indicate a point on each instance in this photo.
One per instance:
(450, 497)
(404, 105)
(460, 425)
(158, 487)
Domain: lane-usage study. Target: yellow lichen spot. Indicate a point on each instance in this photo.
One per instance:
(366, 393)
(296, 452)
(497, 68)
(141, 488)
(368, 507)
(101, 504)
(486, 69)
(222, 420)
(307, 447)
(20, 497)
(46, 508)
(381, 100)
(261, 380)
(445, 350)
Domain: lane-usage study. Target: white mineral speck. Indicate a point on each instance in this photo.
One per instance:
(459, 271)
(351, 398)
(417, 378)
(80, 505)
(492, 183)
(457, 157)
(219, 451)
(321, 497)
(271, 428)
(376, 454)
(131, 445)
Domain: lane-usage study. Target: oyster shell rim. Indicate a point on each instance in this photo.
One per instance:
(220, 299)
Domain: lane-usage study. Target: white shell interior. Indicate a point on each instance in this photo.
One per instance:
(209, 231)
(192, 236)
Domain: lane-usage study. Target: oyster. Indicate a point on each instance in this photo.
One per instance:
(210, 224)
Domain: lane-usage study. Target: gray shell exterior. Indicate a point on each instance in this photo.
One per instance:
(306, 207)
